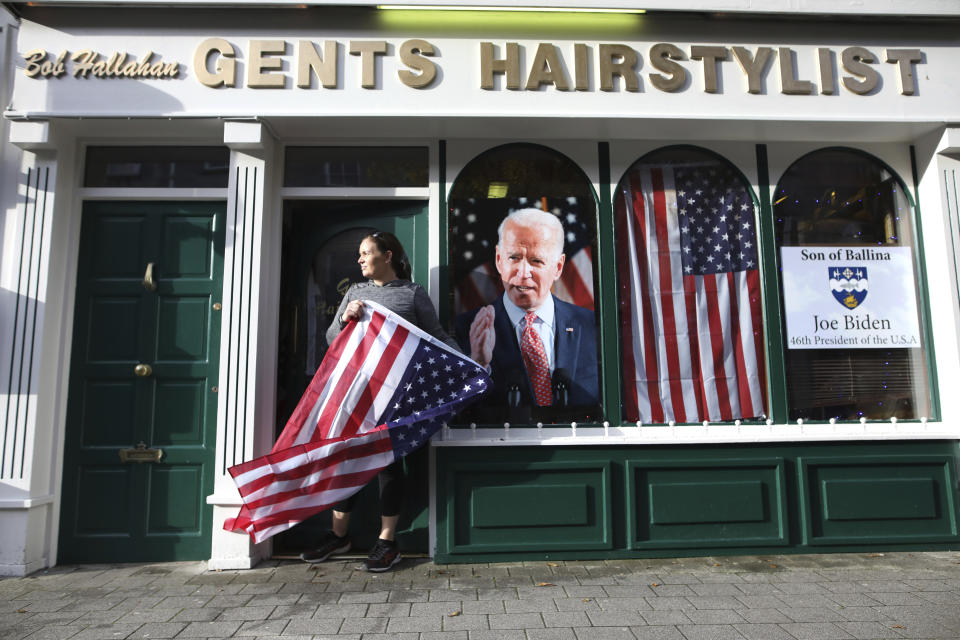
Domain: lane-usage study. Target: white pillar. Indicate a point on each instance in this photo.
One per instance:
(939, 191)
(248, 353)
(30, 447)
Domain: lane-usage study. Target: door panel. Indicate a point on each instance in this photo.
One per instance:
(109, 336)
(124, 235)
(181, 414)
(175, 500)
(186, 253)
(102, 401)
(143, 511)
(103, 517)
(177, 338)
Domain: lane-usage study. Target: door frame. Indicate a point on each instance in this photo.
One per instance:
(69, 240)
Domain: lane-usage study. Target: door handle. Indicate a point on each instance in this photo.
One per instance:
(143, 371)
(148, 282)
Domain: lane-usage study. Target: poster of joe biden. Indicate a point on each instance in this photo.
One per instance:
(523, 298)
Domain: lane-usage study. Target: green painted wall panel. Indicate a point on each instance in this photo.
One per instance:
(686, 503)
(901, 497)
(703, 499)
(547, 505)
(879, 499)
(539, 507)
(706, 502)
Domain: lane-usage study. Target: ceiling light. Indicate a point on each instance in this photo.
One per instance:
(438, 7)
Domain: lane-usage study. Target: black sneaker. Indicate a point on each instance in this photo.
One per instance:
(331, 544)
(383, 556)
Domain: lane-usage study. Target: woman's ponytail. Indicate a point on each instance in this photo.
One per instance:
(402, 266)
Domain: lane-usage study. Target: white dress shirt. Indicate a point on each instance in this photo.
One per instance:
(544, 324)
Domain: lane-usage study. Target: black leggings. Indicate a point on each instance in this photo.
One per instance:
(391, 492)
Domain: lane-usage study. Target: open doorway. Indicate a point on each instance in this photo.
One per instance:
(318, 264)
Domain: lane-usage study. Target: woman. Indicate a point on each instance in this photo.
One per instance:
(384, 264)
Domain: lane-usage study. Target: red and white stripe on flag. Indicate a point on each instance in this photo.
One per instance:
(481, 286)
(692, 342)
(338, 437)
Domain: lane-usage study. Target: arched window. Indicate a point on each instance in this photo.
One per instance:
(691, 315)
(504, 179)
(849, 282)
(547, 264)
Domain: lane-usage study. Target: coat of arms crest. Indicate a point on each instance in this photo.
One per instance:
(849, 285)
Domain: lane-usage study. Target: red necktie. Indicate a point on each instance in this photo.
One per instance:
(535, 359)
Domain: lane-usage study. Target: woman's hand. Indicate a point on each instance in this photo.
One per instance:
(354, 311)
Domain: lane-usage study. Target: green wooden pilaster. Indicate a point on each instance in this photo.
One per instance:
(608, 299)
(776, 369)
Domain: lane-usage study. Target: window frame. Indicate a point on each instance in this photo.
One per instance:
(570, 153)
(761, 257)
(761, 165)
(919, 263)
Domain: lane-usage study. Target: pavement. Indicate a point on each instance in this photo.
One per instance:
(788, 597)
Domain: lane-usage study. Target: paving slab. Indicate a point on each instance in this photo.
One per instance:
(868, 596)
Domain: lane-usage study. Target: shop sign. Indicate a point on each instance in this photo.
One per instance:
(501, 65)
(88, 63)
(849, 297)
(667, 67)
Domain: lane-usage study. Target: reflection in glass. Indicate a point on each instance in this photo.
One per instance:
(841, 198)
(493, 185)
(332, 271)
(317, 268)
(157, 167)
(690, 304)
(356, 167)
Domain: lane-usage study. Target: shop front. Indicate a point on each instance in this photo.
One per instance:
(748, 279)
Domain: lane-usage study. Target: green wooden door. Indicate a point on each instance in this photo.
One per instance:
(321, 242)
(144, 372)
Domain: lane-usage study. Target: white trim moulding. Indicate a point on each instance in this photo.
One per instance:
(359, 193)
(693, 434)
(25, 503)
(114, 193)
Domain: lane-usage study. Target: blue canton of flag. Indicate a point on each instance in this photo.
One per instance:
(716, 219)
(436, 386)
